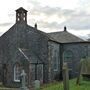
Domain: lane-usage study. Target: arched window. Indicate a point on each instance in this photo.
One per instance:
(17, 70)
(68, 56)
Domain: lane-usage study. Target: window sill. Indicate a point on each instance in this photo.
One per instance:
(55, 70)
(16, 80)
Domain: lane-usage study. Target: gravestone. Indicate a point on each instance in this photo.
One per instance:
(37, 85)
(65, 77)
(23, 81)
(85, 72)
(79, 72)
(84, 69)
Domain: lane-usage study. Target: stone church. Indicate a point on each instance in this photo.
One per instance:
(41, 55)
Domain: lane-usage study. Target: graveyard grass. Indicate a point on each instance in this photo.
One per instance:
(84, 85)
(2, 87)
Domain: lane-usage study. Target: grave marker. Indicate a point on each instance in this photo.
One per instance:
(37, 85)
(23, 81)
(65, 77)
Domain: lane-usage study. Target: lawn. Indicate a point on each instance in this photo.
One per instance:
(5, 88)
(84, 85)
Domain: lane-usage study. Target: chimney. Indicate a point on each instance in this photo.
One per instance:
(35, 25)
(65, 28)
(21, 15)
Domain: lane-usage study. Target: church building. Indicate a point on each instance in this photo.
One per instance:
(39, 54)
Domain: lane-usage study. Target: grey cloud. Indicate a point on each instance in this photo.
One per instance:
(45, 10)
(53, 25)
(78, 22)
(38, 8)
(33, 2)
(75, 19)
(49, 11)
(5, 24)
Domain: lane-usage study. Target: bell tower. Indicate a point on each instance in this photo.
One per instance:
(21, 15)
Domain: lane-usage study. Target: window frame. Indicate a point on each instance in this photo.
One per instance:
(15, 72)
(55, 61)
(65, 55)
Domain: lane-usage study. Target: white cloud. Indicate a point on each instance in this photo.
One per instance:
(81, 33)
(65, 4)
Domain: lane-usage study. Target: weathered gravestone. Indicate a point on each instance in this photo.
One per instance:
(84, 69)
(37, 85)
(23, 81)
(79, 72)
(65, 77)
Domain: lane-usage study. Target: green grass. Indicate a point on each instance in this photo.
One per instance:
(5, 88)
(84, 85)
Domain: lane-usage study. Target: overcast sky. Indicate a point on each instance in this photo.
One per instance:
(50, 15)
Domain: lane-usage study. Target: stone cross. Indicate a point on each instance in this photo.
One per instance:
(23, 81)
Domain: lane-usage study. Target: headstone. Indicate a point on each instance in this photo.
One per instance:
(37, 85)
(23, 81)
(86, 66)
(65, 77)
(79, 73)
(84, 69)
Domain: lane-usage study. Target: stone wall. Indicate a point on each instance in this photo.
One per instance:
(79, 51)
(54, 61)
(22, 36)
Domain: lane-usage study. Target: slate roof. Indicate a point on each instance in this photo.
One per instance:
(30, 56)
(65, 37)
(18, 28)
(21, 9)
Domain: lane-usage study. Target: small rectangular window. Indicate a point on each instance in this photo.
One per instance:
(55, 63)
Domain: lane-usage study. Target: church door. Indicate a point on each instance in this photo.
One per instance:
(36, 72)
(40, 72)
(68, 58)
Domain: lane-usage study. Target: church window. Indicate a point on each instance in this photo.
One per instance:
(55, 61)
(17, 73)
(68, 56)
